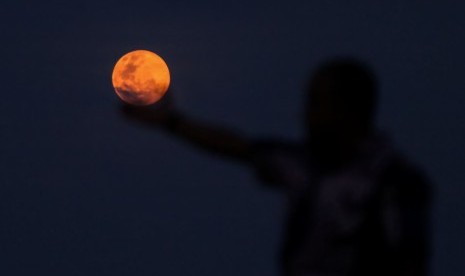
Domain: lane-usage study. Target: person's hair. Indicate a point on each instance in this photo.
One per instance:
(353, 87)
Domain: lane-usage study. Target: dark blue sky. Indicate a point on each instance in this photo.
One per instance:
(85, 192)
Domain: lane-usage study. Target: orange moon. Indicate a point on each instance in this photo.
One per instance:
(141, 77)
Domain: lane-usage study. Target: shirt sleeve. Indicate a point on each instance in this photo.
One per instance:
(406, 220)
(280, 165)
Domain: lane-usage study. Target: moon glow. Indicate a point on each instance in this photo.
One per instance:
(141, 77)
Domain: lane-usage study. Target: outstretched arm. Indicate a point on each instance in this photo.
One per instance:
(214, 139)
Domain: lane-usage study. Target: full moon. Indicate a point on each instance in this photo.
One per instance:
(141, 77)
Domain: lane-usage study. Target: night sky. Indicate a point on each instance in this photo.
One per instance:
(83, 191)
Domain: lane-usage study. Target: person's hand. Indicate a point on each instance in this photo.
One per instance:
(162, 113)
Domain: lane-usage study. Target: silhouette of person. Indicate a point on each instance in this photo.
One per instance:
(356, 205)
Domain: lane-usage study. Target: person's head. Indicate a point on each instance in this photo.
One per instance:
(341, 105)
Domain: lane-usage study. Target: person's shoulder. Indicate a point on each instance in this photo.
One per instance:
(280, 163)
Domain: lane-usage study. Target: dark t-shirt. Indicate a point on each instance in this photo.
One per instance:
(368, 217)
